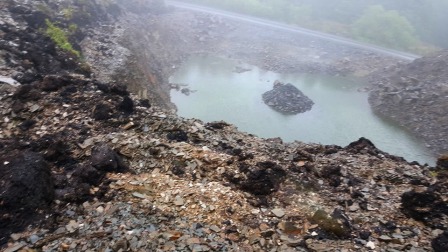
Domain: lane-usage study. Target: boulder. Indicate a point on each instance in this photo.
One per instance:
(105, 159)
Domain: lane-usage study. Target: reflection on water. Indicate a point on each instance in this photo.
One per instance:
(339, 116)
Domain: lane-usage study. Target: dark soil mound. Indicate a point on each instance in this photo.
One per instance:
(287, 99)
(26, 185)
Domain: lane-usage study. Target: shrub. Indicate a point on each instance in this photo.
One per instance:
(60, 38)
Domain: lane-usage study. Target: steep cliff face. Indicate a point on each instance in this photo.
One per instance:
(416, 96)
(128, 51)
(112, 40)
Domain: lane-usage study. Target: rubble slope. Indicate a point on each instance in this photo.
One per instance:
(416, 96)
(85, 165)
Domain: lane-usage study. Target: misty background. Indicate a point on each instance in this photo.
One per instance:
(409, 25)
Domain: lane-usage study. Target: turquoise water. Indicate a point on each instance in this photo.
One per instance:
(341, 114)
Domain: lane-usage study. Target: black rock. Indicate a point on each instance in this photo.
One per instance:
(57, 150)
(440, 243)
(27, 93)
(26, 186)
(427, 206)
(68, 91)
(178, 136)
(36, 19)
(127, 105)
(263, 179)
(102, 112)
(365, 234)
(53, 83)
(217, 125)
(332, 174)
(88, 174)
(112, 89)
(27, 77)
(178, 170)
(145, 103)
(27, 124)
(287, 99)
(26, 181)
(103, 87)
(390, 225)
(105, 159)
(361, 144)
(119, 89)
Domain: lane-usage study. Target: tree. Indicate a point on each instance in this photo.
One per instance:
(384, 27)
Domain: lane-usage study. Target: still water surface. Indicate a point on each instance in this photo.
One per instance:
(341, 114)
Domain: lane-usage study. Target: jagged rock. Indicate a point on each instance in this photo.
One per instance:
(287, 99)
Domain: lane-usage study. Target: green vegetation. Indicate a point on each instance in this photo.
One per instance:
(417, 26)
(60, 38)
(386, 28)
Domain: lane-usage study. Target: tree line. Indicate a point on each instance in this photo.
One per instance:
(411, 25)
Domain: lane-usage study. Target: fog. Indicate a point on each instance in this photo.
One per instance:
(409, 25)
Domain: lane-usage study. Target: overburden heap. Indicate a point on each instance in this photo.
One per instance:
(287, 99)
(416, 97)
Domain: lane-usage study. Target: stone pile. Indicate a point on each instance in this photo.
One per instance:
(287, 99)
(145, 179)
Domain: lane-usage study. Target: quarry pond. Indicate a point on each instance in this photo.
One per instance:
(229, 90)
